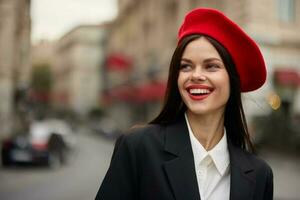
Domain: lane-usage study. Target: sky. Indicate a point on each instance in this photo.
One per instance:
(51, 19)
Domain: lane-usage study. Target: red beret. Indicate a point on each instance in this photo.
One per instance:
(243, 50)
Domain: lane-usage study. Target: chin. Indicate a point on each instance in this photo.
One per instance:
(197, 110)
(204, 109)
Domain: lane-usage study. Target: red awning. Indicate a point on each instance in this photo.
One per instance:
(40, 96)
(154, 91)
(61, 97)
(124, 93)
(287, 77)
(118, 62)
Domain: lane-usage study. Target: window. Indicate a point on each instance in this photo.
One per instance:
(286, 10)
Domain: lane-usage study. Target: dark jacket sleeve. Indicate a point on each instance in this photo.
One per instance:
(269, 186)
(120, 179)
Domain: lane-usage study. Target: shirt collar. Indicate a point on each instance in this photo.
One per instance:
(219, 154)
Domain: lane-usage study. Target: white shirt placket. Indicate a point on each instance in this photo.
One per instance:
(202, 173)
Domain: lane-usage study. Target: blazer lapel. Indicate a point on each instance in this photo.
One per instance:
(181, 170)
(242, 181)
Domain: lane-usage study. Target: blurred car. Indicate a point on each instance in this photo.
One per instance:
(277, 130)
(48, 141)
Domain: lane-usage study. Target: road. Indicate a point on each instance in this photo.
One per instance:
(77, 181)
(286, 170)
(81, 178)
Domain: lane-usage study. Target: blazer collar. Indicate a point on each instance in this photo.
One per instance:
(181, 170)
(177, 137)
(242, 181)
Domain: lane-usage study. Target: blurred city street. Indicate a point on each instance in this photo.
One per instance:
(80, 179)
(286, 173)
(104, 68)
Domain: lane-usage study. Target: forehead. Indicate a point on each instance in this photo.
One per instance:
(200, 48)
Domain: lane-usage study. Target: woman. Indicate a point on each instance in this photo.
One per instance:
(198, 147)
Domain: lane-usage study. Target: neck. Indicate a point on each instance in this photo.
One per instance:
(208, 129)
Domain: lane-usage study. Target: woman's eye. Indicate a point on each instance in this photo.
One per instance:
(213, 66)
(185, 67)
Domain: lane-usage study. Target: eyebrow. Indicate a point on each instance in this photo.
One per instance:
(205, 61)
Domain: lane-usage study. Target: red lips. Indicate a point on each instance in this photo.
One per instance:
(200, 92)
(199, 87)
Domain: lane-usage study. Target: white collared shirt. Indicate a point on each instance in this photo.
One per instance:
(212, 168)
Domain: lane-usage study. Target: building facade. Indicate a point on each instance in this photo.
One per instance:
(146, 31)
(15, 29)
(43, 52)
(77, 69)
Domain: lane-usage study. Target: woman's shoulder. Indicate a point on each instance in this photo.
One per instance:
(257, 161)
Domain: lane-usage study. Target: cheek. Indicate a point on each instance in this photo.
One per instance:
(180, 85)
(180, 81)
(225, 83)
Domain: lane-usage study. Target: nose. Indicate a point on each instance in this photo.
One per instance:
(198, 75)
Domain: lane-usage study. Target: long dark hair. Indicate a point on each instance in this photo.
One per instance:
(174, 108)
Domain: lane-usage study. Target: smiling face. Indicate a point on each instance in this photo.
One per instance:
(203, 81)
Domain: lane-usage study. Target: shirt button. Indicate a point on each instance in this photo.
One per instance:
(200, 173)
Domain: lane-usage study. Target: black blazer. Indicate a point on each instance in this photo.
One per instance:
(156, 163)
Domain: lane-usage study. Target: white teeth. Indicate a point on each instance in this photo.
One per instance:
(199, 91)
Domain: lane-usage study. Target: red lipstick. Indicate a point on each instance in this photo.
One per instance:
(200, 92)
